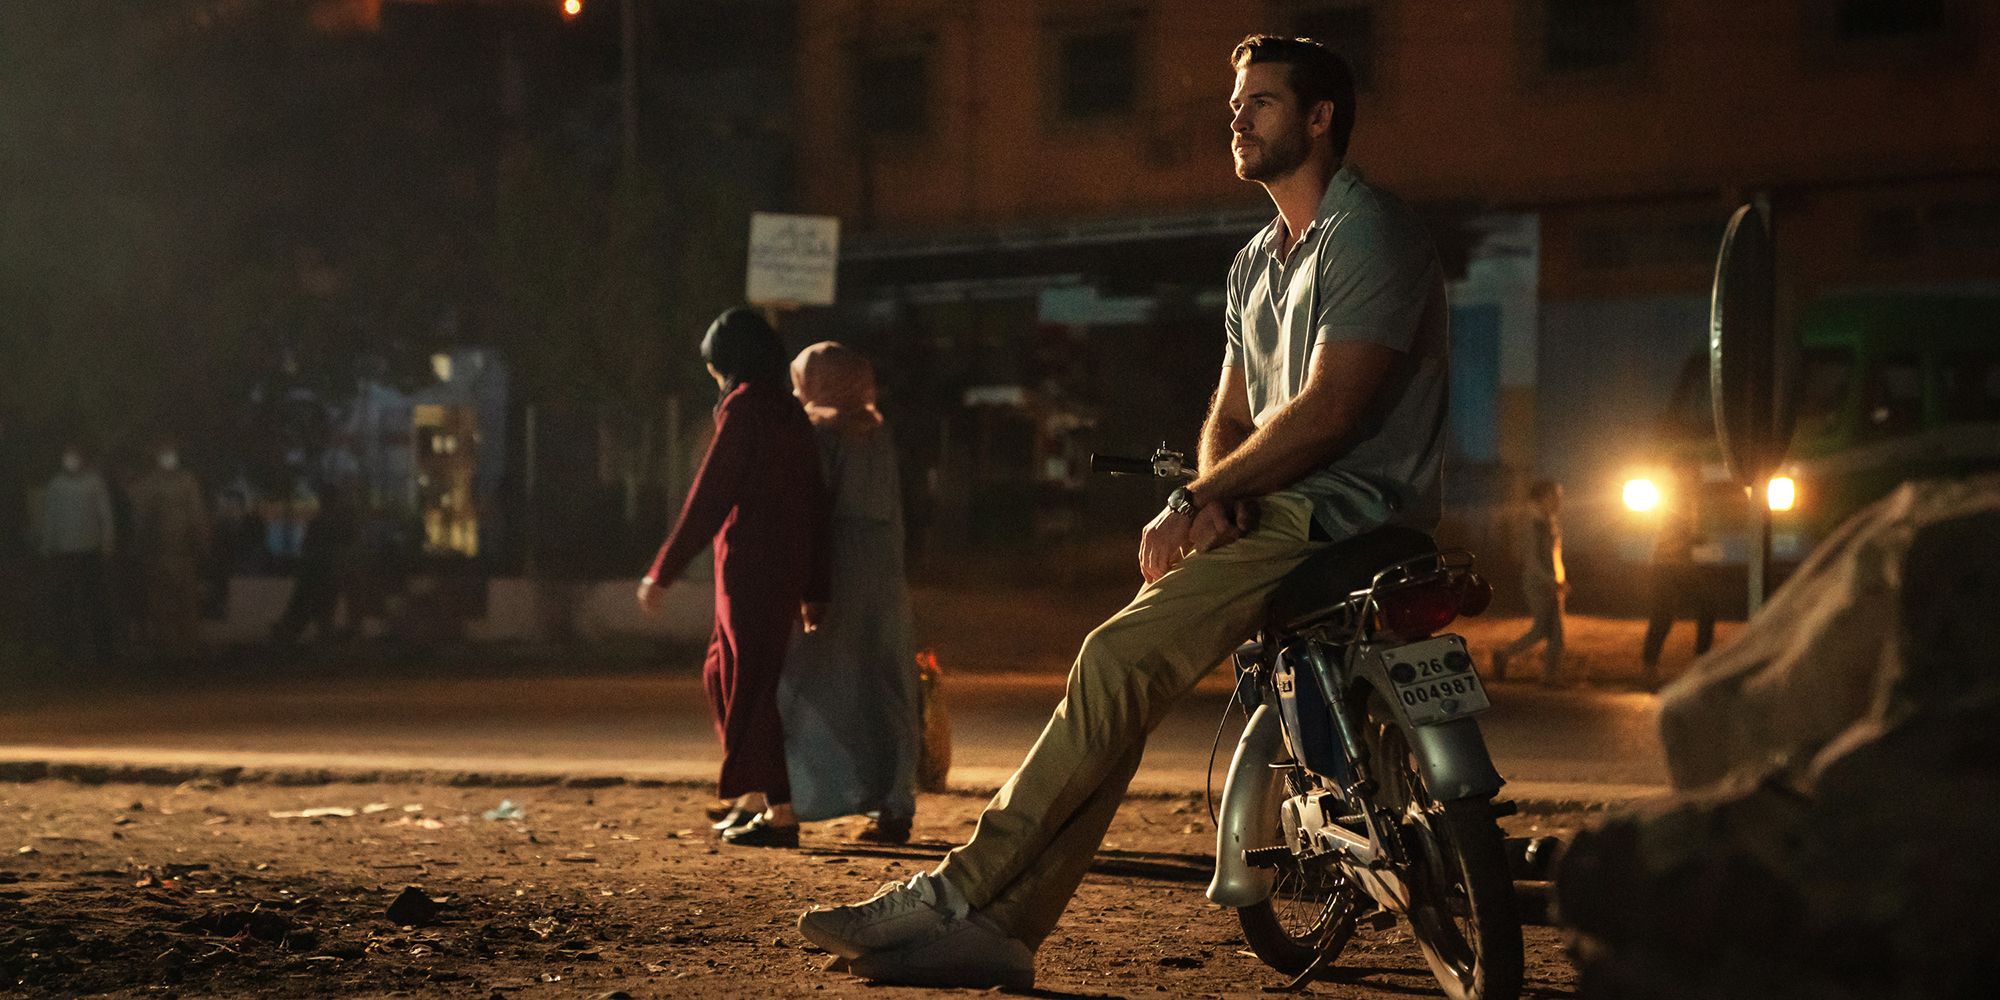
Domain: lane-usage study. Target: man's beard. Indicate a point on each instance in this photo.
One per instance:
(1280, 156)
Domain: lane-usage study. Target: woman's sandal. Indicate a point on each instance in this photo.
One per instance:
(760, 833)
(737, 816)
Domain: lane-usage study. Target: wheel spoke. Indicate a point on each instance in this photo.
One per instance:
(1440, 914)
(1311, 910)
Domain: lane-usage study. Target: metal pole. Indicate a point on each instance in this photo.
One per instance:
(1760, 552)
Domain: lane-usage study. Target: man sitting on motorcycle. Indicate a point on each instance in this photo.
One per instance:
(1328, 424)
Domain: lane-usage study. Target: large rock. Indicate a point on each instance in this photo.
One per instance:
(1829, 650)
(1834, 834)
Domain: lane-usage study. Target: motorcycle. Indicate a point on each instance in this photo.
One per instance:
(1361, 791)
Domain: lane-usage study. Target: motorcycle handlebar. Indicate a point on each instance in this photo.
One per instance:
(1121, 466)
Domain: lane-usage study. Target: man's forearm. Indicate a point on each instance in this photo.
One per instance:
(1307, 432)
(1220, 437)
(1269, 459)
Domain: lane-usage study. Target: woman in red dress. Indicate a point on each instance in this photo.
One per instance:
(760, 499)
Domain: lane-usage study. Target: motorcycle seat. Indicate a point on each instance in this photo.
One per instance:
(1317, 589)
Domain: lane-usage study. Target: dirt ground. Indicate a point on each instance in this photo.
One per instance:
(201, 890)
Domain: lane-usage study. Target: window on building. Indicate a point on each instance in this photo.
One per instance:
(1866, 20)
(892, 93)
(1592, 36)
(1348, 29)
(1921, 35)
(1097, 72)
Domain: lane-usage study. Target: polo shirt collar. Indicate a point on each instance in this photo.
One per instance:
(1339, 190)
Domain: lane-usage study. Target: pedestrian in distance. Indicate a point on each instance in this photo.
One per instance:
(170, 542)
(1325, 436)
(125, 578)
(849, 692)
(1679, 587)
(319, 578)
(1544, 583)
(760, 499)
(75, 538)
(235, 539)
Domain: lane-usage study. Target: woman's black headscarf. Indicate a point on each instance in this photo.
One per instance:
(743, 347)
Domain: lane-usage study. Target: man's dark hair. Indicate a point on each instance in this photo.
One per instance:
(1315, 72)
(1542, 488)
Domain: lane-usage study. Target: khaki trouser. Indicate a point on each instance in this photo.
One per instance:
(1037, 837)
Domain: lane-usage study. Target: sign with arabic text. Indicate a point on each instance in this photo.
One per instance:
(792, 259)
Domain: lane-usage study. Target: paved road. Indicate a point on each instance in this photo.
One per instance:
(1564, 743)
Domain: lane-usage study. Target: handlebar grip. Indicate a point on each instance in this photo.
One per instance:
(1120, 466)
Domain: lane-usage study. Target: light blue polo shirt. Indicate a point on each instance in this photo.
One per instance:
(1365, 270)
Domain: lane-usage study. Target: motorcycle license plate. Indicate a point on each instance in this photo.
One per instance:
(1434, 680)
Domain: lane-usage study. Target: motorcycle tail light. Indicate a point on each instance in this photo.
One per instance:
(1414, 612)
(1475, 595)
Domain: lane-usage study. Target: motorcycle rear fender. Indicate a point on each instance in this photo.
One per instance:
(1249, 815)
(1452, 754)
(1455, 762)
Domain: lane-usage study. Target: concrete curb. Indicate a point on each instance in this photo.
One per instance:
(1532, 799)
(221, 775)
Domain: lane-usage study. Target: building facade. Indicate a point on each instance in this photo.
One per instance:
(1038, 194)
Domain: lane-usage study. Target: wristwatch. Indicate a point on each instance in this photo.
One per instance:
(1180, 501)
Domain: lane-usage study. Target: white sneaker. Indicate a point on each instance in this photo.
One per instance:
(969, 953)
(901, 913)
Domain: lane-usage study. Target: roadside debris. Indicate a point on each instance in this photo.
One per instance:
(504, 811)
(317, 812)
(413, 907)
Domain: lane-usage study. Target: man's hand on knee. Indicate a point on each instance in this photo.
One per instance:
(1246, 515)
(1173, 536)
(1218, 524)
(1164, 543)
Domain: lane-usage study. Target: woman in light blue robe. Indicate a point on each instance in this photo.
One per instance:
(848, 694)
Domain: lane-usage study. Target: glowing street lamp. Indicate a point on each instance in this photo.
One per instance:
(572, 8)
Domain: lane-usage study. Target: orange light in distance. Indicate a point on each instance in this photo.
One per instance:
(1641, 495)
(1781, 493)
(572, 8)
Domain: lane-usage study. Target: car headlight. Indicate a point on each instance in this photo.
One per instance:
(1641, 495)
(1781, 493)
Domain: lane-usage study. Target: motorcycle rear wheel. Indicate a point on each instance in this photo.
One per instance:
(1462, 908)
